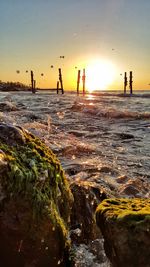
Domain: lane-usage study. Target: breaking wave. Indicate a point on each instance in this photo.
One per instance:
(108, 112)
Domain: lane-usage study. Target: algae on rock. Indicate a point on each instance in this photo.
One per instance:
(35, 201)
(125, 225)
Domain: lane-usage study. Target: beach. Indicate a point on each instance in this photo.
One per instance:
(95, 137)
(101, 139)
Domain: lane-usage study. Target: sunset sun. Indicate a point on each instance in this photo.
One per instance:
(99, 75)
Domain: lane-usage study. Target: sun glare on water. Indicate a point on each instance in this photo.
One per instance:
(99, 75)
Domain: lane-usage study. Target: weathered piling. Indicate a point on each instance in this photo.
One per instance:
(125, 82)
(61, 81)
(57, 87)
(78, 82)
(32, 82)
(130, 82)
(83, 79)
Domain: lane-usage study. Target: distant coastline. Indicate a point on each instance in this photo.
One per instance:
(13, 86)
(13, 89)
(19, 87)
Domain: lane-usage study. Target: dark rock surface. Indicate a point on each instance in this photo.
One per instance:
(86, 199)
(7, 106)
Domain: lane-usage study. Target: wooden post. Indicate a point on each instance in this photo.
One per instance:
(78, 82)
(83, 79)
(61, 81)
(130, 82)
(57, 87)
(32, 82)
(125, 82)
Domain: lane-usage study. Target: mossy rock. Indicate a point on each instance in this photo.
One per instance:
(133, 211)
(125, 225)
(35, 202)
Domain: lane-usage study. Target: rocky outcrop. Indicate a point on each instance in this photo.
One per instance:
(35, 202)
(125, 225)
(86, 199)
(7, 106)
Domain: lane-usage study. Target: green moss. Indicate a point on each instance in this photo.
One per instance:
(133, 212)
(34, 173)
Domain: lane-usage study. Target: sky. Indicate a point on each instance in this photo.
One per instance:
(35, 33)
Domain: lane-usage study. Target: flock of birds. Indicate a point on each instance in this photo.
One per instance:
(52, 66)
(42, 74)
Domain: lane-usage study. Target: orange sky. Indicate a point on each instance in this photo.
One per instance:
(34, 34)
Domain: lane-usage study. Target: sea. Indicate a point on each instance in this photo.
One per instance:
(102, 137)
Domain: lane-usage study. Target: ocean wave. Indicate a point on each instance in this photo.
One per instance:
(90, 108)
(118, 114)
